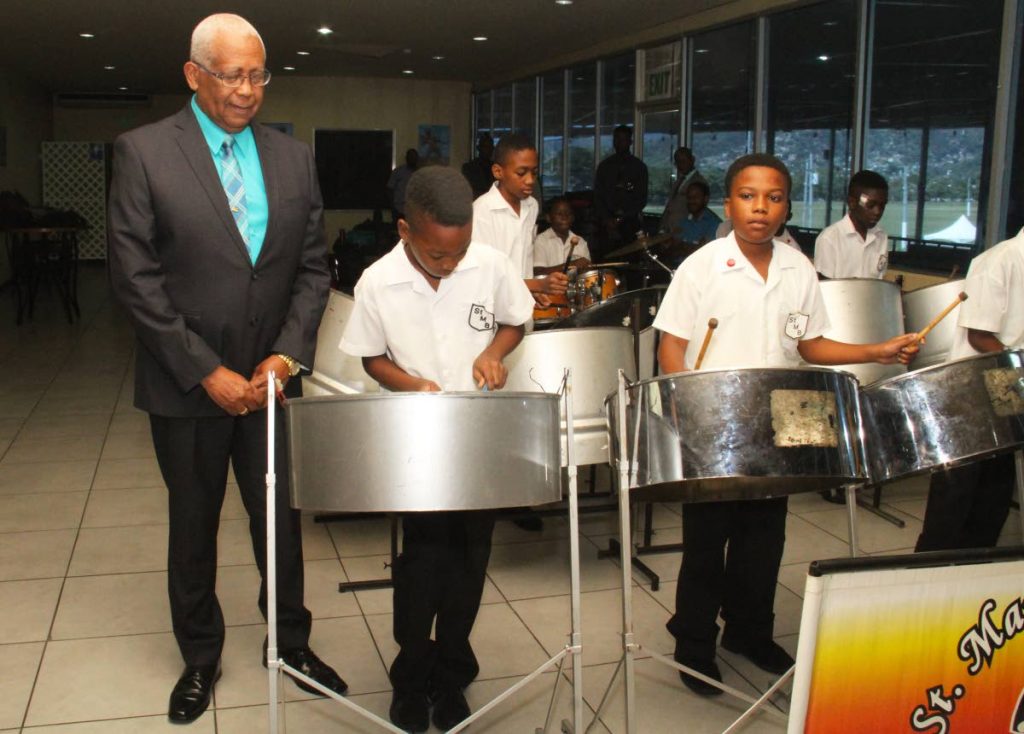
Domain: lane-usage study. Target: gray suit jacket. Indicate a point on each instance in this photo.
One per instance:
(179, 266)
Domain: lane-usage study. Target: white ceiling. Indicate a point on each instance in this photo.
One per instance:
(147, 41)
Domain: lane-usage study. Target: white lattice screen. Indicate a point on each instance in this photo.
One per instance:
(74, 177)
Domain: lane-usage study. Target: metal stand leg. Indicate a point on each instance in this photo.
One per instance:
(875, 509)
(851, 508)
(387, 583)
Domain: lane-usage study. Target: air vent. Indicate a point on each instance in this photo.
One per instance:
(102, 100)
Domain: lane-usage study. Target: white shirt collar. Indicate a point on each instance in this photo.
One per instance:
(850, 231)
(398, 269)
(496, 202)
(732, 259)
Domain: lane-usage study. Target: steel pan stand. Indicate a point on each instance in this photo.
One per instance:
(627, 473)
(276, 666)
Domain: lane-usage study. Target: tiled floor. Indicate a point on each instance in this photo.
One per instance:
(85, 643)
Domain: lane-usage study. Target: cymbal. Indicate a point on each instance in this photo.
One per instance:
(639, 244)
(606, 265)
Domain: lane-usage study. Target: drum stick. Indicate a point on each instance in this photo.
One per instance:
(573, 241)
(954, 271)
(945, 312)
(712, 325)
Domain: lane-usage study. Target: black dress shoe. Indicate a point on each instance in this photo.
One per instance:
(410, 711)
(192, 693)
(705, 667)
(530, 523)
(450, 708)
(306, 662)
(765, 654)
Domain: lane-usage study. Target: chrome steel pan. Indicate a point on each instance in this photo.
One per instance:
(396, 452)
(617, 310)
(334, 371)
(944, 415)
(595, 357)
(864, 311)
(923, 305)
(741, 434)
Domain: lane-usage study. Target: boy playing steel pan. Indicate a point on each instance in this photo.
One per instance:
(768, 305)
(438, 312)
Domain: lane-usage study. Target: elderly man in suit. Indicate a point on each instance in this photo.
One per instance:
(216, 250)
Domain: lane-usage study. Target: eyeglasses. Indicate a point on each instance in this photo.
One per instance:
(256, 78)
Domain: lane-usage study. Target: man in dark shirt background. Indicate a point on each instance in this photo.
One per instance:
(478, 170)
(620, 192)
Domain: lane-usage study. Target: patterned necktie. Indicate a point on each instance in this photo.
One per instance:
(234, 187)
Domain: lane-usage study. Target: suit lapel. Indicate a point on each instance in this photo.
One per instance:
(197, 153)
(268, 162)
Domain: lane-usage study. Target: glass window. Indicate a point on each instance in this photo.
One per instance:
(933, 93)
(812, 69)
(552, 143)
(526, 109)
(502, 122)
(1015, 202)
(482, 101)
(723, 102)
(618, 81)
(662, 74)
(661, 138)
(582, 111)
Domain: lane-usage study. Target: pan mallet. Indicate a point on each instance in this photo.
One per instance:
(945, 312)
(712, 325)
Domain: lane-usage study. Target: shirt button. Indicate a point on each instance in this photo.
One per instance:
(255, 275)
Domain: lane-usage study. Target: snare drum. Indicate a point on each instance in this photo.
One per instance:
(595, 286)
(559, 309)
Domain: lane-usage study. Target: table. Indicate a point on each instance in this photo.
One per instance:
(39, 252)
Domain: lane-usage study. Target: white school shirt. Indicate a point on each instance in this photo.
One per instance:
(436, 335)
(760, 322)
(496, 223)
(839, 251)
(995, 297)
(549, 250)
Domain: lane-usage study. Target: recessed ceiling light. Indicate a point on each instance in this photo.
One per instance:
(302, 53)
(408, 71)
(823, 57)
(830, 23)
(438, 58)
(700, 50)
(324, 30)
(288, 68)
(406, 50)
(87, 35)
(563, 2)
(479, 38)
(123, 89)
(110, 67)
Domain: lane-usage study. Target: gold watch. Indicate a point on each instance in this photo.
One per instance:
(293, 366)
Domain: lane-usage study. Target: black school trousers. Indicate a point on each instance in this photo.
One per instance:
(731, 557)
(438, 581)
(193, 454)
(968, 505)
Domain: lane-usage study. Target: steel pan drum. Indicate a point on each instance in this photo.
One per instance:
(923, 305)
(864, 311)
(595, 356)
(398, 452)
(617, 309)
(740, 434)
(944, 415)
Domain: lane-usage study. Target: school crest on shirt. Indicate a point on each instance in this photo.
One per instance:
(796, 325)
(480, 318)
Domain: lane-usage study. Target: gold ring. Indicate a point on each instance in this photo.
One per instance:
(244, 411)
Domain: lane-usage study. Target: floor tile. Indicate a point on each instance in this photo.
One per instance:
(54, 476)
(120, 550)
(35, 555)
(114, 605)
(137, 445)
(137, 423)
(9, 428)
(308, 716)
(363, 537)
(41, 426)
(138, 725)
(123, 507)
(104, 678)
(368, 568)
(26, 608)
(807, 542)
(18, 665)
(77, 404)
(874, 533)
(23, 512)
(521, 571)
(127, 474)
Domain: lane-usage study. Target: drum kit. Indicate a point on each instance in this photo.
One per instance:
(691, 437)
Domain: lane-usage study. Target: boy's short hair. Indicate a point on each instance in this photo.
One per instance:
(702, 185)
(762, 160)
(552, 203)
(441, 193)
(510, 144)
(863, 180)
(623, 129)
